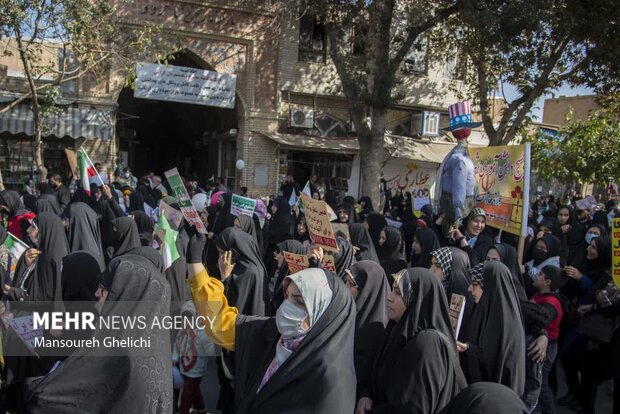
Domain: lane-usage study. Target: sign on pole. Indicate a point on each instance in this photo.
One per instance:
(503, 185)
(185, 202)
(242, 205)
(319, 226)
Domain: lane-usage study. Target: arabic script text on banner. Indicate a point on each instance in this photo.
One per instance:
(184, 84)
(298, 262)
(185, 202)
(242, 205)
(319, 226)
(502, 185)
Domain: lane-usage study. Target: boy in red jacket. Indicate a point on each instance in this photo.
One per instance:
(548, 281)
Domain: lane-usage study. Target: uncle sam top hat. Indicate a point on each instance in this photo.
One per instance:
(460, 116)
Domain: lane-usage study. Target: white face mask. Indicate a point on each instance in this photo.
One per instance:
(289, 319)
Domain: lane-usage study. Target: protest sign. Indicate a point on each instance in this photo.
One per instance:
(419, 202)
(457, 308)
(328, 263)
(297, 262)
(503, 185)
(615, 248)
(24, 328)
(586, 203)
(185, 202)
(72, 160)
(242, 205)
(319, 226)
(342, 228)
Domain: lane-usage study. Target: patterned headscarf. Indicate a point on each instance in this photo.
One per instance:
(404, 284)
(444, 260)
(475, 273)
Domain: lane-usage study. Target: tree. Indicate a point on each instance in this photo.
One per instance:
(89, 40)
(536, 46)
(385, 31)
(583, 150)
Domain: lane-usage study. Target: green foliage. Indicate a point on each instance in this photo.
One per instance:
(586, 151)
(86, 34)
(537, 46)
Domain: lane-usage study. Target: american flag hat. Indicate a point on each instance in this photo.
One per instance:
(460, 116)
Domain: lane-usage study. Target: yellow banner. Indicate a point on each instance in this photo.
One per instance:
(503, 185)
(615, 248)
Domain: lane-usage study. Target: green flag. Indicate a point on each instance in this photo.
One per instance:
(168, 247)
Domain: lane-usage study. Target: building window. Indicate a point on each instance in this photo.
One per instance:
(329, 126)
(311, 39)
(425, 124)
(415, 61)
(454, 68)
(430, 126)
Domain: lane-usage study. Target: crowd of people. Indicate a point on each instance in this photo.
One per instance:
(373, 336)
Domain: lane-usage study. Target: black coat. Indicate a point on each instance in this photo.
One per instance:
(371, 319)
(319, 377)
(138, 380)
(418, 349)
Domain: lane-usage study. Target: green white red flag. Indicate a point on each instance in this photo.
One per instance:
(88, 173)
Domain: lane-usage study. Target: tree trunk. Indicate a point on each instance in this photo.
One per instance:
(38, 156)
(36, 113)
(371, 157)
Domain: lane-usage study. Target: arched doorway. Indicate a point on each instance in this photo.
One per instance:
(158, 135)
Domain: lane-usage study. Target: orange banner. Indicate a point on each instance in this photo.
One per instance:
(319, 226)
(297, 262)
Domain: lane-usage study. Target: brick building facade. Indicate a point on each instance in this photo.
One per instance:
(282, 68)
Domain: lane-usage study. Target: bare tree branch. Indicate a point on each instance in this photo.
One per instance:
(416, 31)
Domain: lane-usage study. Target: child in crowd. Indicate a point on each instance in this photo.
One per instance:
(548, 281)
(191, 351)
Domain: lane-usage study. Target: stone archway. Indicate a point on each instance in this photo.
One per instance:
(199, 140)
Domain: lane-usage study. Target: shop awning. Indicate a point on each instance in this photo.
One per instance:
(398, 146)
(417, 149)
(312, 143)
(82, 121)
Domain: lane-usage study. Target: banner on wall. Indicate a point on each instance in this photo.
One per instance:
(503, 185)
(408, 175)
(184, 84)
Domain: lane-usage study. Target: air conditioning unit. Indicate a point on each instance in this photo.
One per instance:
(416, 124)
(425, 124)
(301, 118)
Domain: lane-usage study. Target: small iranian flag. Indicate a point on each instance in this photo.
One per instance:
(15, 246)
(168, 235)
(88, 173)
